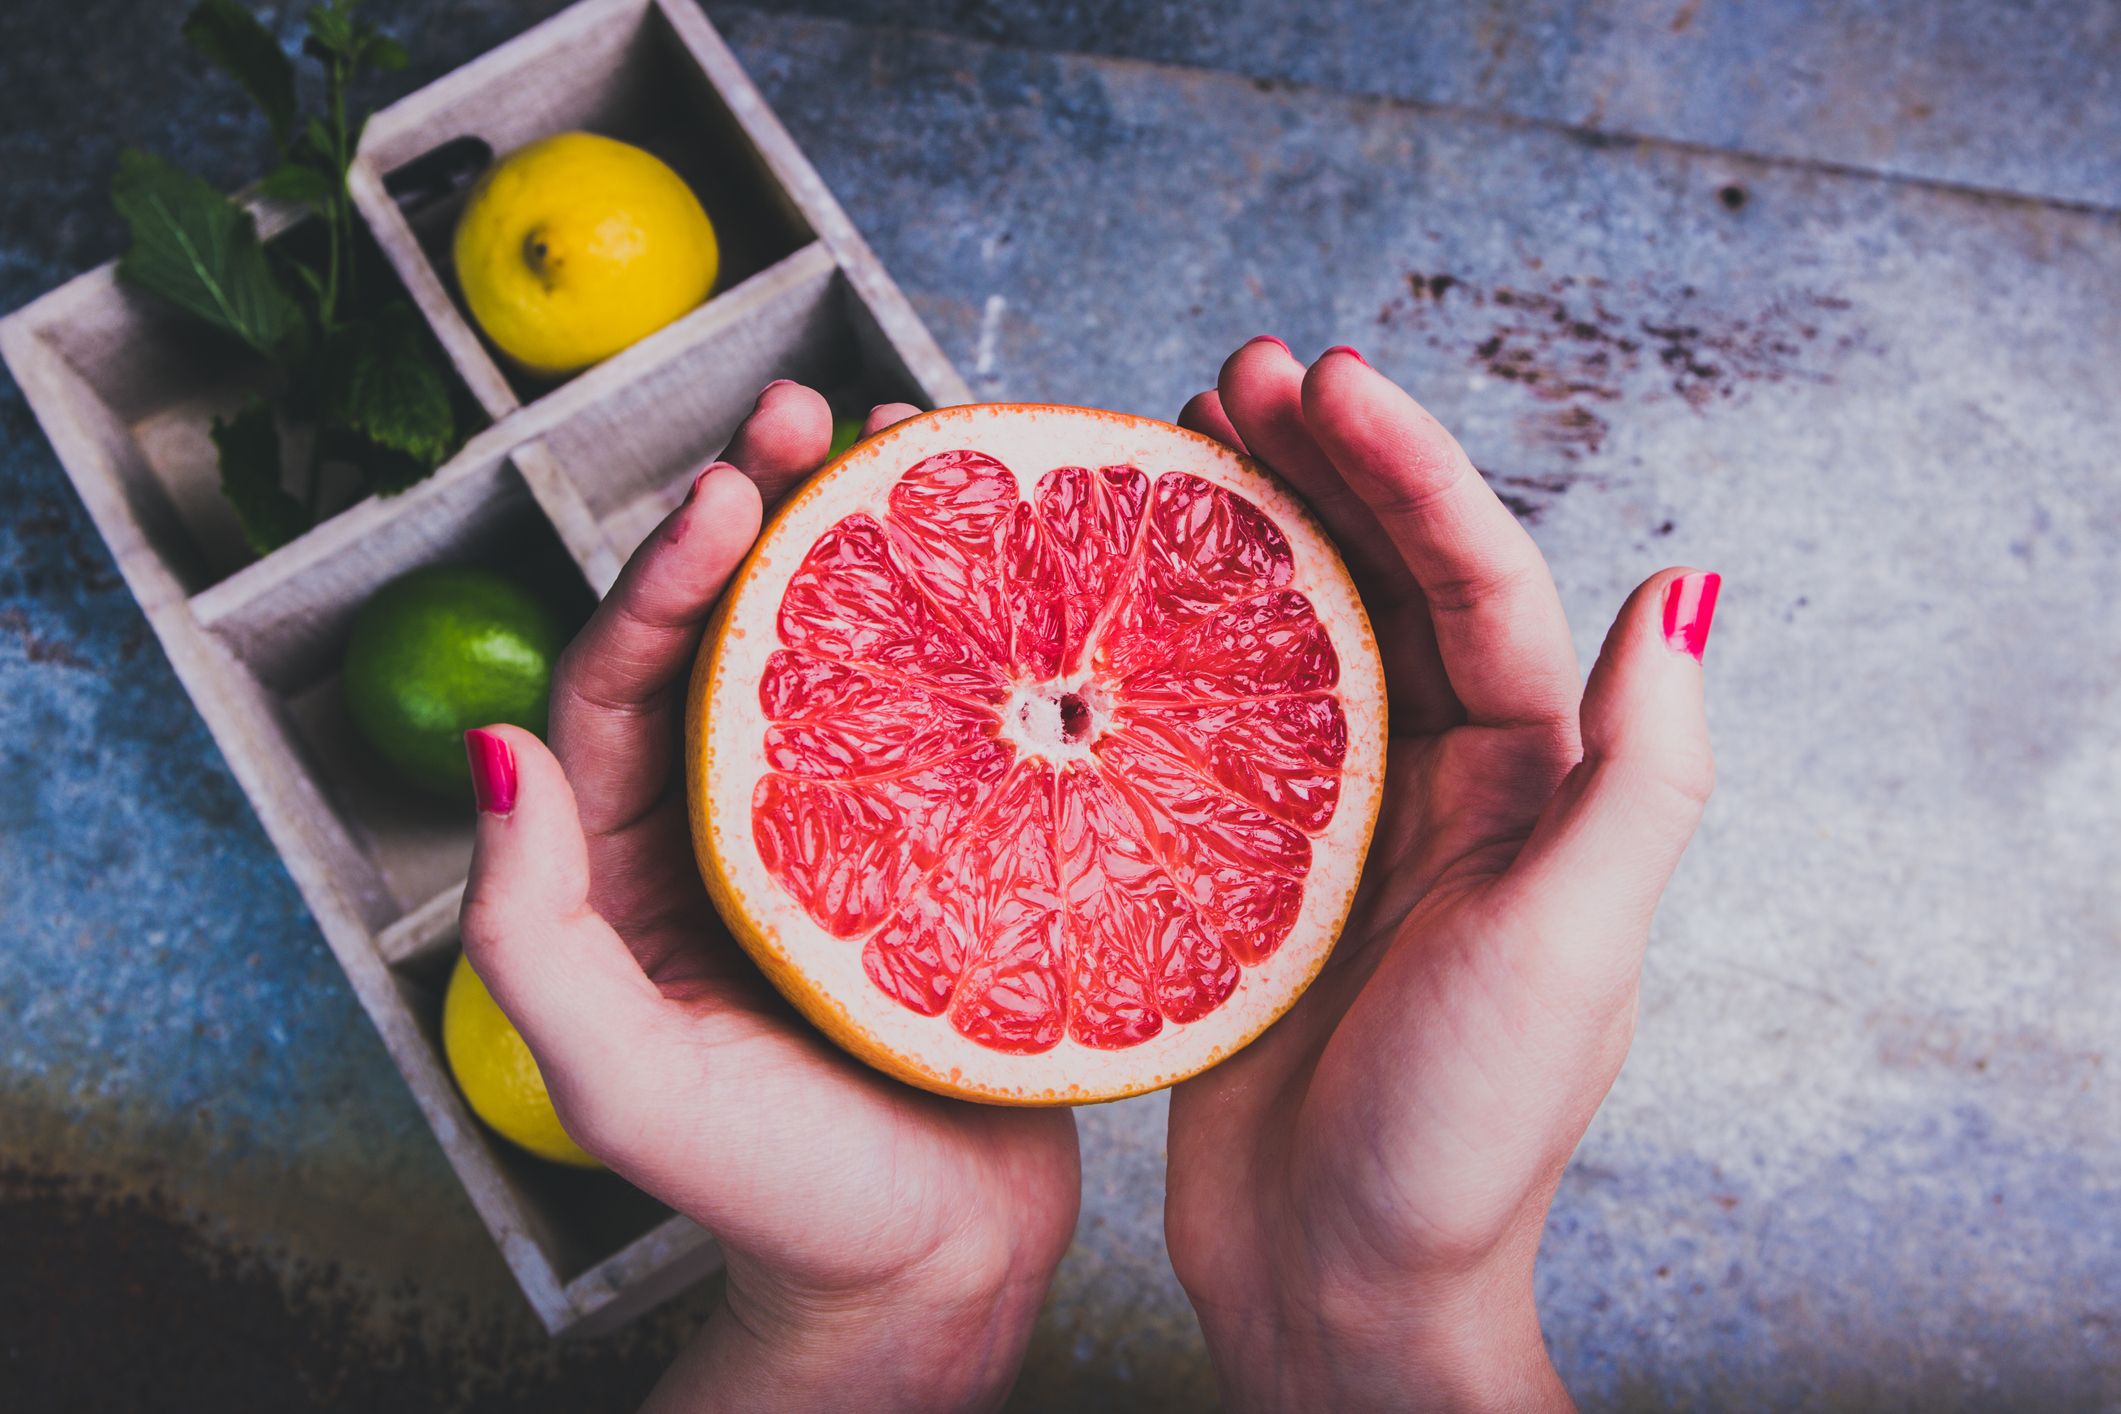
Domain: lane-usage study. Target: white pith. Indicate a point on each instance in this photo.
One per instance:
(729, 759)
(1031, 719)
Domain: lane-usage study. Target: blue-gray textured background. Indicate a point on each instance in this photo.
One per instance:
(1827, 297)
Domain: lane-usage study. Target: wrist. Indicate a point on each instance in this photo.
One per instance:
(1470, 1341)
(912, 1344)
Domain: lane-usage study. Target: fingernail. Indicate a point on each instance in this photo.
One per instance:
(1343, 348)
(701, 480)
(1689, 609)
(776, 383)
(493, 772)
(1268, 339)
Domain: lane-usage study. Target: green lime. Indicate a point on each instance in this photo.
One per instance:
(846, 431)
(441, 651)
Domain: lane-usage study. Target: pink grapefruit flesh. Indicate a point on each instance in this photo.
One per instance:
(1034, 752)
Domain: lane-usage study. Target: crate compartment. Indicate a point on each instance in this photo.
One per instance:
(577, 1217)
(629, 455)
(142, 384)
(288, 625)
(620, 68)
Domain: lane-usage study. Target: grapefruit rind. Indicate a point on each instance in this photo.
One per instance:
(821, 975)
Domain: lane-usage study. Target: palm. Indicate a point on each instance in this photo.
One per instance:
(867, 1173)
(1414, 1107)
(1313, 1121)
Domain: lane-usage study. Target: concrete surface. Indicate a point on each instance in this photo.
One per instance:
(1867, 1152)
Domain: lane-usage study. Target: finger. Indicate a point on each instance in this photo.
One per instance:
(614, 699)
(560, 973)
(1261, 391)
(1203, 413)
(784, 439)
(884, 415)
(1499, 626)
(1261, 388)
(1607, 844)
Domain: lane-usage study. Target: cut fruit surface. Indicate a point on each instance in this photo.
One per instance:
(1035, 750)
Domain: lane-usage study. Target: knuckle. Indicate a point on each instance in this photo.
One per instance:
(567, 668)
(482, 926)
(1493, 582)
(1687, 769)
(594, 1123)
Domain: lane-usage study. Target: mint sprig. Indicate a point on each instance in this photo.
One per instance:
(231, 37)
(201, 252)
(357, 372)
(379, 384)
(249, 444)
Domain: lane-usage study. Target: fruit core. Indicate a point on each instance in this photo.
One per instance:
(1049, 718)
(1054, 763)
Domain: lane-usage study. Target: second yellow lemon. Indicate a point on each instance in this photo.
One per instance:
(576, 246)
(497, 1073)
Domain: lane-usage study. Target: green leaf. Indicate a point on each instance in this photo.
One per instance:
(300, 183)
(381, 382)
(331, 32)
(385, 53)
(231, 38)
(318, 147)
(311, 280)
(250, 477)
(383, 471)
(200, 251)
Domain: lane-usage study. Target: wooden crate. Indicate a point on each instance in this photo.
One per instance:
(559, 489)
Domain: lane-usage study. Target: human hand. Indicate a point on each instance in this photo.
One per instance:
(1355, 1201)
(886, 1248)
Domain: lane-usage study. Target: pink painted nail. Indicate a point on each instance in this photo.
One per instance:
(1268, 339)
(493, 772)
(1343, 348)
(1689, 609)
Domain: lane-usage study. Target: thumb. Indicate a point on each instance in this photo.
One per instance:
(559, 971)
(1607, 844)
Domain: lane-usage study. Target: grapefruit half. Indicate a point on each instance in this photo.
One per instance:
(1034, 752)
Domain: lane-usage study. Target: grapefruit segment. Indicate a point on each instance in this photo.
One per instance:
(1091, 520)
(833, 721)
(947, 517)
(1282, 754)
(1255, 648)
(981, 936)
(854, 602)
(1040, 600)
(1031, 782)
(1142, 954)
(850, 850)
(1201, 548)
(1014, 993)
(1241, 869)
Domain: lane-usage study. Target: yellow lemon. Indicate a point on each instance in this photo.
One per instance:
(576, 246)
(495, 1071)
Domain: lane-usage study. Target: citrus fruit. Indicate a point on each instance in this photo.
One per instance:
(846, 431)
(498, 1075)
(438, 652)
(1034, 752)
(574, 247)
